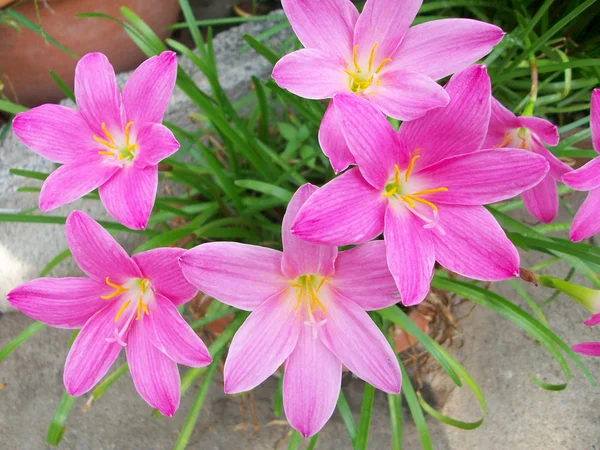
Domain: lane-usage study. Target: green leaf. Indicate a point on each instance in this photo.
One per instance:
(278, 398)
(362, 436)
(288, 131)
(55, 261)
(107, 382)
(29, 174)
(295, 440)
(344, 410)
(57, 428)
(20, 339)
(261, 49)
(11, 108)
(415, 409)
(265, 188)
(63, 86)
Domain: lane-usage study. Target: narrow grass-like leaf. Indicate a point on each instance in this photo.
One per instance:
(261, 49)
(344, 410)
(57, 428)
(55, 262)
(278, 397)
(63, 86)
(415, 410)
(11, 108)
(266, 188)
(362, 435)
(295, 440)
(20, 339)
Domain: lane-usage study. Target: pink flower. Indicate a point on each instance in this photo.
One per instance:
(376, 56)
(587, 348)
(587, 178)
(124, 302)
(529, 133)
(113, 142)
(424, 188)
(308, 311)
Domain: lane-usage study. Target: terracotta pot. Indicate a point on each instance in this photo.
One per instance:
(26, 58)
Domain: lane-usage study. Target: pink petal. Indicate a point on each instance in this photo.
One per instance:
(311, 384)
(595, 119)
(241, 275)
(544, 130)
(148, 90)
(332, 141)
(484, 177)
(407, 95)
(154, 374)
(311, 73)
(442, 47)
(502, 121)
(585, 178)
(370, 138)
(593, 320)
(410, 254)
(161, 267)
(156, 142)
(91, 355)
(587, 348)
(458, 128)
(383, 23)
(362, 275)
(172, 335)
(263, 343)
(97, 94)
(301, 257)
(60, 302)
(542, 200)
(345, 211)
(129, 195)
(326, 25)
(96, 252)
(57, 133)
(586, 222)
(350, 334)
(474, 244)
(74, 180)
(557, 167)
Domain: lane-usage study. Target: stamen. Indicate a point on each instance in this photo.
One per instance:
(430, 191)
(299, 298)
(139, 309)
(390, 192)
(397, 175)
(408, 200)
(507, 139)
(378, 82)
(523, 143)
(355, 58)
(123, 308)
(145, 308)
(321, 283)
(410, 167)
(354, 76)
(372, 55)
(108, 135)
(116, 286)
(425, 202)
(107, 153)
(118, 290)
(105, 143)
(127, 133)
(383, 63)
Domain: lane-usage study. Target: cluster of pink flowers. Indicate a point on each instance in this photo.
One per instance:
(423, 186)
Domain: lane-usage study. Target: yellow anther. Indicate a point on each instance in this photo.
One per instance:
(123, 308)
(430, 191)
(355, 51)
(383, 63)
(321, 283)
(354, 76)
(523, 144)
(408, 200)
(397, 175)
(315, 300)
(145, 309)
(424, 202)
(106, 153)
(127, 133)
(391, 192)
(107, 133)
(372, 56)
(116, 286)
(118, 290)
(378, 82)
(410, 167)
(299, 298)
(105, 143)
(507, 139)
(139, 313)
(144, 285)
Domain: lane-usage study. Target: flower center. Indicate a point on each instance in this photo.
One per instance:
(361, 80)
(123, 151)
(308, 287)
(517, 138)
(137, 290)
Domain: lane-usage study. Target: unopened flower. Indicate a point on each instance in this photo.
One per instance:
(587, 178)
(530, 134)
(308, 311)
(424, 188)
(112, 141)
(376, 56)
(123, 302)
(589, 298)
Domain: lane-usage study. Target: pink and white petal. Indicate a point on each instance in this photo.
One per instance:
(350, 334)
(60, 302)
(96, 252)
(587, 348)
(91, 355)
(383, 23)
(502, 121)
(311, 384)
(155, 375)
(55, 132)
(148, 90)
(593, 320)
(586, 222)
(241, 275)
(542, 200)
(73, 180)
(595, 119)
(459, 127)
(345, 211)
(302, 257)
(156, 142)
(311, 74)
(129, 195)
(484, 177)
(172, 335)
(263, 343)
(410, 254)
(332, 141)
(370, 138)
(544, 130)
(161, 267)
(363, 276)
(557, 168)
(97, 94)
(586, 178)
(326, 25)
(407, 95)
(474, 245)
(441, 47)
